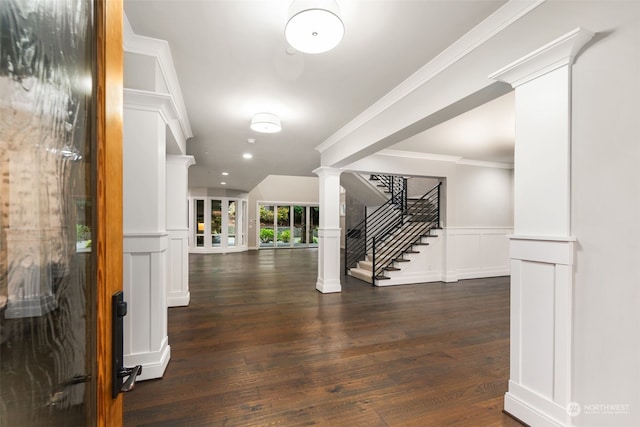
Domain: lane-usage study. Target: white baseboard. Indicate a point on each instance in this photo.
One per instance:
(482, 273)
(408, 279)
(527, 413)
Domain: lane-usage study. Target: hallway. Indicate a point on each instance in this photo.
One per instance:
(258, 345)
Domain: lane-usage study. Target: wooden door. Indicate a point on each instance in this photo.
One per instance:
(60, 209)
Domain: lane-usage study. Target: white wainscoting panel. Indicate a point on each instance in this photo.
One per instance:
(473, 253)
(541, 313)
(178, 268)
(144, 284)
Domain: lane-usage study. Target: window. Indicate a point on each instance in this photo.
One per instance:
(288, 226)
(216, 222)
(266, 236)
(231, 223)
(199, 223)
(284, 226)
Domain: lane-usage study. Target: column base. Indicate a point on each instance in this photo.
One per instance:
(153, 363)
(178, 299)
(328, 287)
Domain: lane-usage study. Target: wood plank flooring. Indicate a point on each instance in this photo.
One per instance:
(259, 346)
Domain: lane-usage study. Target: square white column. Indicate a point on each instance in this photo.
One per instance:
(329, 231)
(178, 230)
(145, 243)
(542, 249)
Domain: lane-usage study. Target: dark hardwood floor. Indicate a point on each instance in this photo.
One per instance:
(258, 346)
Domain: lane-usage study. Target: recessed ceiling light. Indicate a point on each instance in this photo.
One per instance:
(251, 140)
(225, 173)
(223, 183)
(247, 155)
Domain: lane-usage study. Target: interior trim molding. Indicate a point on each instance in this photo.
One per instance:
(558, 53)
(160, 50)
(511, 12)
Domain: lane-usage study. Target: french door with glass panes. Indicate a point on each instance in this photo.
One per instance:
(218, 224)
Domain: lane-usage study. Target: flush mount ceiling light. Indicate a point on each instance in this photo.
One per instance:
(314, 26)
(266, 123)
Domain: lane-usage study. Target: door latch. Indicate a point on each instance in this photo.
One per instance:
(122, 379)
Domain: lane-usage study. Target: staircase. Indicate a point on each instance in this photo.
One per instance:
(380, 245)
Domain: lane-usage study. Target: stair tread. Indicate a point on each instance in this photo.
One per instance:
(411, 252)
(392, 269)
(360, 274)
(382, 278)
(401, 260)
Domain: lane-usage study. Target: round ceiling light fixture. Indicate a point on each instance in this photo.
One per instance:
(266, 123)
(314, 26)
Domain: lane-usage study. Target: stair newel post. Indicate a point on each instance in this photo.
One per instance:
(373, 261)
(365, 234)
(438, 208)
(405, 195)
(393, 190)
(346, 251)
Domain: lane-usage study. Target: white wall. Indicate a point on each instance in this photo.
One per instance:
(606, 215)
(417, 186)
(483, 197)
(139, 71)
(280, 188)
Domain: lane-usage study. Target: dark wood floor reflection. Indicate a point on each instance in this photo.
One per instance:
(259, 346)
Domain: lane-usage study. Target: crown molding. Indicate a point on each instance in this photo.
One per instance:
(418, 155)
(558, 53)
(161, 103)
(160, 50)
(485, 164)
(511, 12)
(443, 158)
(327, 171)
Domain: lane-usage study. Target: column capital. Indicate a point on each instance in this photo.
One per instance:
(179, 159)
(560, 52)
(327, 171)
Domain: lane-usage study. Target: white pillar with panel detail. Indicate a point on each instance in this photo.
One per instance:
(329, 231)
(542, 247)
(178, 229)
(155, 132)
(145, 236)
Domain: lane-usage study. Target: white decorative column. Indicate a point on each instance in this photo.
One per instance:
(542, 247)
(329, 231)
(146, 115)
(178, 229)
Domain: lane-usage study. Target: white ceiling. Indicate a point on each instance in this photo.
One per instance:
(486, 133)
(231, 61)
